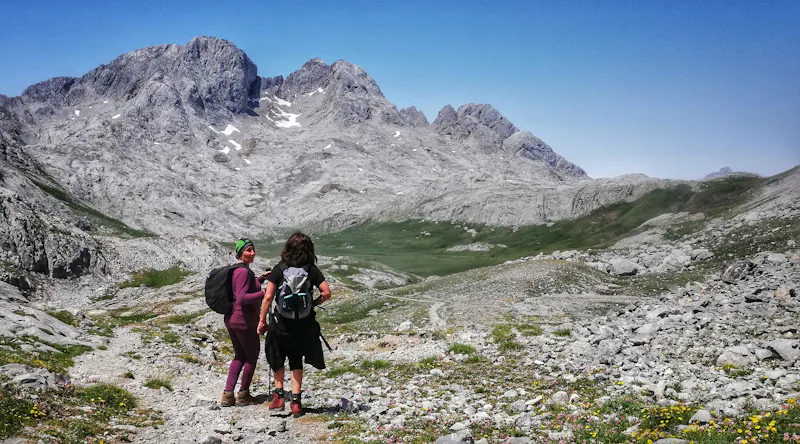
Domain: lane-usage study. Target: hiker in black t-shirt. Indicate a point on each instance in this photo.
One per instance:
(293, 330)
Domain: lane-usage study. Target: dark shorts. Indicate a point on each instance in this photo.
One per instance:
(295, 340)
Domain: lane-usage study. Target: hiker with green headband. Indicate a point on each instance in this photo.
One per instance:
(242, 325)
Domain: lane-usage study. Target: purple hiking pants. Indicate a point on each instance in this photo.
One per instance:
(246, 347)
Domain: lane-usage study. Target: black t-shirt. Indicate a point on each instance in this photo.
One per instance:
(314, 275)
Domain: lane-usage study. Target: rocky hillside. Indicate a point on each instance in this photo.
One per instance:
(682, 332)
(190, 139)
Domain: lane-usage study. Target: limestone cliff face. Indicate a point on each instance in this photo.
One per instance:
(189, 139)
(37, 232)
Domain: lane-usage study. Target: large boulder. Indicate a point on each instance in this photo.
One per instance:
(787, 349)
(623, 267)
(736, 271)
(738, 356)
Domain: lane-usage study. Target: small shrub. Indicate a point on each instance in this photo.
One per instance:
(563, 332)
(156, 383)
(428, 363)
(510, 346)
(475, 359)
(461, 349)
(128, 375)
(530, 329)
(735, 371)
(501, 333)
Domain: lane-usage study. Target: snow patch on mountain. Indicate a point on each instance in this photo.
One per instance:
(230, 129)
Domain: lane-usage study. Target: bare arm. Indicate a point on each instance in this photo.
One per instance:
(324, 293)
(265, 304)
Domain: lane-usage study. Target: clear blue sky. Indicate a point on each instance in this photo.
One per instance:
(671, 89)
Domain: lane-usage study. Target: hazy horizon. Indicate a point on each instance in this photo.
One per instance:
(668, 90)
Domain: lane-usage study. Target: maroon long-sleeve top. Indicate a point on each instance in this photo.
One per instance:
(247, 296)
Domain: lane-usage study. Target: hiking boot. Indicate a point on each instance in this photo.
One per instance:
(297, 409)
(278, 402)
(244, 398)
(296, 406)
(227, 400)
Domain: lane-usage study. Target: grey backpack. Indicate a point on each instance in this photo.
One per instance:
(295, 297)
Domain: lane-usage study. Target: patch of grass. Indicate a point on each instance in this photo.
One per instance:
(735, 371)
(502, 332)
(223, 341)
(504, 337)
(377, 364)
(529, 329)
(461, 349)
(156, 382)
(70, 414)
(56, 362)
(102, 347)
(562, 332)
(190, 358)
(136, 318)
(171, 338)
(80, 208)
(349, 311)
(128, 375)
(475, 359)
(112, 399)
(15, 413)
(679, 231)
(64, 316)
(428, 363)
(338, 370)
(181, 319)
(509, 346)
(156, 278)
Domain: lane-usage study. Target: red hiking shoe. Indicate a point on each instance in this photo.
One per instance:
(278, 402)
(297, 408)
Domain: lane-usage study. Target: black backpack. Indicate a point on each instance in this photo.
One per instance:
(219, 291)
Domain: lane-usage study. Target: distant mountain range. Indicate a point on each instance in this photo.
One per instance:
(724, 171)
(190, 140)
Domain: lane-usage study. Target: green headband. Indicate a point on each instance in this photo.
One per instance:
(241, 244)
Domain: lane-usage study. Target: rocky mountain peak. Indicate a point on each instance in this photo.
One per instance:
(210, 76)
(215, 71)
(525, 144)
(446, 117)
(312, 75)
(52, 91)
(413, 117)
(478, 124)
(724, 171)
(342, 94)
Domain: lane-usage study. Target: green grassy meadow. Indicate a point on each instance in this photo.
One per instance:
(420, 246)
